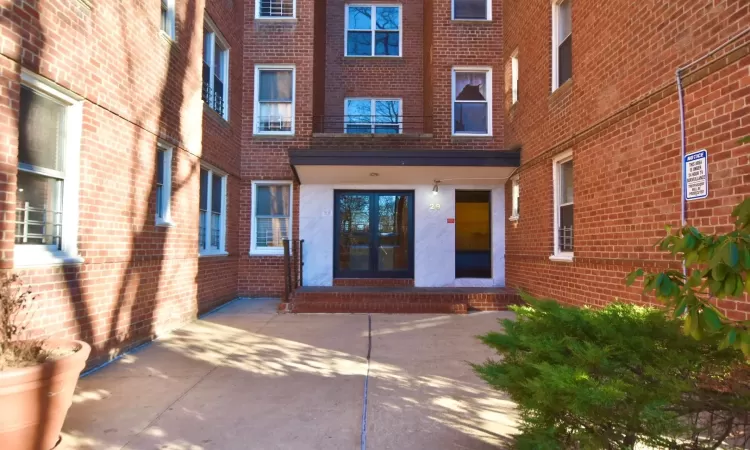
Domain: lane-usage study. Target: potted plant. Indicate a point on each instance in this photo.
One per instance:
(37, 376)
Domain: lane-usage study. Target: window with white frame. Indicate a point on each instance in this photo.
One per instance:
(213, 207)
(472, 9)
(215, 70)
(372, 115)
(49, 133)
(562, 42)
(562, 177)
(275, 9)
(274, 99)
(515, 194)
(472, 101)
(164, 186)
(167, 18)
(373, 30)
(514, 78)
(272, 216)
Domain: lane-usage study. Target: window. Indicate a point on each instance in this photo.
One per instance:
(275, 9)
(514, 78)
(167, 18)
(272, 216)
(376, 116)
(515, 194)
(562, 177)
(215, 71)
(472, 101)
(274, 99)
(472, 9)
(562, 42)
(164, 186)
(213, 207)
(365, 37)
(49, 133)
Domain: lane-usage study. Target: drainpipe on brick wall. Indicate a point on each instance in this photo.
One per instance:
(683, 133)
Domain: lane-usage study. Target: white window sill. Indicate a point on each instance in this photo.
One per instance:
(166, 36)
(470, 135)
(459, 19)
(374, 56)
(276, 134)
(167, 223)
(513, 218)
(278, 251)
(208, 254)
(275, 19)
(36, 257)
(563, 257)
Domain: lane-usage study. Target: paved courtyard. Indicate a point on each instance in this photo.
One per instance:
(248, 378)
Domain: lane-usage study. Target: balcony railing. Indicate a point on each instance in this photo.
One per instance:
(38, 226)
(565, 239)
(214, 98)
(372, 125)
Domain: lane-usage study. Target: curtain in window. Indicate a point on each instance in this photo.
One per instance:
(272, 211)
(41, 141)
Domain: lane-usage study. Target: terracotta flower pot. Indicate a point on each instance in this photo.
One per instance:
(34, 400)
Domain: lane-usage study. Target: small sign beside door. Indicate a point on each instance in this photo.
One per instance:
(696, 175)
(451, 220)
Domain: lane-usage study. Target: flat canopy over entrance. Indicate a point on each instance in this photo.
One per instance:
(403, 167)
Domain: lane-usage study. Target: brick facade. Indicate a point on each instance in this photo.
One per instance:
(620, 117)
(138, 88)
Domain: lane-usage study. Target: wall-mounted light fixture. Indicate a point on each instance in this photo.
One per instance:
(435, 187)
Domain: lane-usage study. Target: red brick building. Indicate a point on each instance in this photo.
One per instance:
(156, 156)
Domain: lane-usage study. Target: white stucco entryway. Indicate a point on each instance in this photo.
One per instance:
(434, 236)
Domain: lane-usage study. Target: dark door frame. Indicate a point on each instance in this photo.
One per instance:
(492, 234)
(374, 236)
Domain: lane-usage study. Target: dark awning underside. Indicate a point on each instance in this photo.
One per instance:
(403, 166)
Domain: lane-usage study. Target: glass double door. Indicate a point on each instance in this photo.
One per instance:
(374, 234)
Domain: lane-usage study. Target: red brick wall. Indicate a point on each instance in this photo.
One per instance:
(266, 157)
(372, 77)
(619, 115)
(137, 280)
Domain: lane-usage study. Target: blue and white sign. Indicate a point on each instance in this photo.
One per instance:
(696, 175)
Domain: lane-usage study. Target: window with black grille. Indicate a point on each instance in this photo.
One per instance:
(215, 72)
(280, 9)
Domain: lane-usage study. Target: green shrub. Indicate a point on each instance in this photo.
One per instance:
(608, 378)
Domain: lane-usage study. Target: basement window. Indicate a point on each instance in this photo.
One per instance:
(373, 30)
(562, 42)
(272, 217)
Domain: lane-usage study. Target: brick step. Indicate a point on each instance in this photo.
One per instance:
(400, 299)
(374, 282)
(387, 308)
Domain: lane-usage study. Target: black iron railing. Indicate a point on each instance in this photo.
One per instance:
(293, 266)
(372, 125)
(214, 97)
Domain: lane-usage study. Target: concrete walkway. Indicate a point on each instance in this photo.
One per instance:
(248, 378)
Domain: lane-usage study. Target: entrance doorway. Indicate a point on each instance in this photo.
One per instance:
(374, 234)
(473, 234)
